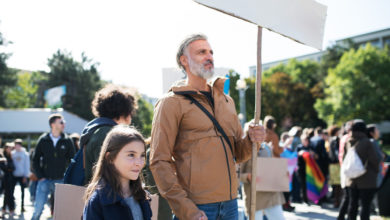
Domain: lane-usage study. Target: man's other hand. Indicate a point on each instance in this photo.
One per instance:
(201, 215)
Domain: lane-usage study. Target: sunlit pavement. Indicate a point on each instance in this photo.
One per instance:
(305, 212)
(28, 205)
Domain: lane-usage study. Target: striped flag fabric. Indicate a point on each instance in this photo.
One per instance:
(315, 180)
(292, 160)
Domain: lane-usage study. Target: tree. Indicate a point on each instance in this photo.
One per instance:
(288, 101)
(143, 118)
(333, 54)
(81, 79)
(289, 92)
(306, 72)
(7, 76)
(282, 98)
(330, 59)
(25, 93)
(233, 92)
(358, 87)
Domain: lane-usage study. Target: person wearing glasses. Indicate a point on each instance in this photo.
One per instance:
(53, 153)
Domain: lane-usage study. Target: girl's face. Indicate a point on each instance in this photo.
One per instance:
(130, 160)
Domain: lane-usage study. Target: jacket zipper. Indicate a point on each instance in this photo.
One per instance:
(224, 148)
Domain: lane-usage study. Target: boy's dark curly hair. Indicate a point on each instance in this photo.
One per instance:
(113, 102)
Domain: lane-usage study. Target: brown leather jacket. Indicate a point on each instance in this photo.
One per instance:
(190, 160)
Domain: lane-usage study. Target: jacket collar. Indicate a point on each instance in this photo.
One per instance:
(182, 88)
(47, 136)
(107, 197)
(91, 127)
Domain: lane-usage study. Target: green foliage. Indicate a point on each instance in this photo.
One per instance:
(143, 118)
(289, 93)
(250, 98)
(7, 76)
(233, 92)
(306, 72)
(358, 87)
(386, 149)
(81, 79)
(282, 98)
(288, 101)
(333, 54)
(25, 93)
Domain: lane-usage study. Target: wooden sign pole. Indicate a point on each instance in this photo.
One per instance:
(257, 119)
(309, 33)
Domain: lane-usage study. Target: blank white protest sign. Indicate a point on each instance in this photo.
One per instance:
(300, 20)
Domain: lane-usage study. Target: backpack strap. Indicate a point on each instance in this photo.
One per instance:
(84, 154)
(212, 118)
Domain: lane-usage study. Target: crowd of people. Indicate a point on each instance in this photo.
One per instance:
(15, 168)
(191, 159)
(329, 147)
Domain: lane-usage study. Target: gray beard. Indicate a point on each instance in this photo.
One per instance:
(198, 70)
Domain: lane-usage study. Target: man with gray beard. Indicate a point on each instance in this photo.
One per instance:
(197, 140)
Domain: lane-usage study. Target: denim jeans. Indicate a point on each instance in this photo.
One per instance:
(44, 188)
(227, 210)
(33, 189)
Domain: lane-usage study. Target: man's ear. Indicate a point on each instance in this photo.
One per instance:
(184, 60)
(106, 156)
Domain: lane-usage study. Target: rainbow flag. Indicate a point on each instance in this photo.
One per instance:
(315, 180)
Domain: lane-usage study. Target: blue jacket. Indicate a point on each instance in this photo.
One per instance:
(103, 206)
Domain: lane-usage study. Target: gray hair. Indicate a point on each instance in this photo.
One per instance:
(184, 44)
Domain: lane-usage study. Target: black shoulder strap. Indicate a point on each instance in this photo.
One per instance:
(212, 118)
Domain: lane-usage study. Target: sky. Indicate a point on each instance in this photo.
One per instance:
(133, 40)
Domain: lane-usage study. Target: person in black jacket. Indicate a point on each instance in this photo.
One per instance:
(8, 167)
(334, 166)
(384, 195)
(321, 156)
(54, 150)
(318, 144)
(362, 189)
